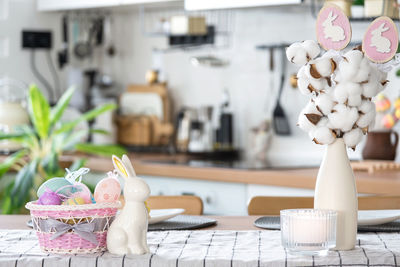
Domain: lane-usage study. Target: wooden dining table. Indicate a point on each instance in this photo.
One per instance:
(233, 241)
(223, 222)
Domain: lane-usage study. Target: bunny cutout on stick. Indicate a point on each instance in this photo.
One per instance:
(336, 33)
(381, 43)
(381, 40)
(128, 232)
(333, 28)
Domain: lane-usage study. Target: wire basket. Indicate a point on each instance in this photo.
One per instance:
(75, 229)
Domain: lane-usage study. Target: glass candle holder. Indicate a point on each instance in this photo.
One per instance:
(308, 231)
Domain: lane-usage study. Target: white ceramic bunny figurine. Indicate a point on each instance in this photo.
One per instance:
(381, 43)
(336, 33)
(128, 232)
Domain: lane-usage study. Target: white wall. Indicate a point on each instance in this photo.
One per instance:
(247, 77)
(16, 15)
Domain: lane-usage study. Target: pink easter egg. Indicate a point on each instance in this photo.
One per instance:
(107, 190)
(381, 40)
(333, 28)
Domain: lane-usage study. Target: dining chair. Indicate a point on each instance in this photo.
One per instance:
(267, 205)
(193, 205)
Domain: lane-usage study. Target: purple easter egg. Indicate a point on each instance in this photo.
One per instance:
(49, 198)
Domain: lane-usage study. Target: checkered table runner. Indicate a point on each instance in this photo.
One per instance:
(205, 248)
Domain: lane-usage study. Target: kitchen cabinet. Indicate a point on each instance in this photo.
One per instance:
(225, 4)
(52, 5)
(219, 198)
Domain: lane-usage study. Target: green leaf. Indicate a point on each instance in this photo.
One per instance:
(101, 150)
(50, 163)
(23, 183)
(99, 131)
(62, 104)
(398, 73)
(10, 161)
(39, 111)
(72, 139)
(12, 136)
(90, 115)
(77, 164)
(7, 207)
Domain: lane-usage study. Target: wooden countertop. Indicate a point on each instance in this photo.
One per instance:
(381, 182)
(223, 222)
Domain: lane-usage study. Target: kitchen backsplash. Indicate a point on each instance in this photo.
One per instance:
(247, 78)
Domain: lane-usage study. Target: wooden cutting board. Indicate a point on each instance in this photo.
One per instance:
(372, 166)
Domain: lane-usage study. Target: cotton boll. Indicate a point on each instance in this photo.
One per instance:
(347, 70)
(354, 57)
(353, 88)
(366, 106)
(312, 48)
(343, 118)
(371, 88)
(353, 137)
(321, 67)
(303, 85)
(323, 135)
(366, 119)
(319, 85)
(362, 74)
(324, 103)
(304, 123)
(354, 100)
(340, 93)
(296, 54)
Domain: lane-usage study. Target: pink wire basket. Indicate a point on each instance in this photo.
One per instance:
(75, 229)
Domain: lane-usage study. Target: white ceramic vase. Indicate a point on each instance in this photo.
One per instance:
(336, 190)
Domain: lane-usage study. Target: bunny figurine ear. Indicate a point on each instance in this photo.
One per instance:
(381, 40)
(333, 28)
(120, 167)
(129, 166)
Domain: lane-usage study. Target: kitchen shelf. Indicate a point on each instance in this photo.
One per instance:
(154, 22)
(284, 45)
(316, 5)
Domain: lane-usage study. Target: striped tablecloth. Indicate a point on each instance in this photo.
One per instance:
(205, 248)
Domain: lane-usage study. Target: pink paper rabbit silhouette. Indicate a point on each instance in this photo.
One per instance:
(381, 43)
(334, 32)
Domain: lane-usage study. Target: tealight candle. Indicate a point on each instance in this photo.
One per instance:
(308, 231)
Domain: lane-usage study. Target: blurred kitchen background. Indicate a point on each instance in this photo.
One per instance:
(192, 77)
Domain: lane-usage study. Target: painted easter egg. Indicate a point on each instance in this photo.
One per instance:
(333, 28)
(49, 198)
(389, 121)
(381, 40)
(397, 103)
(107, 190)
(82, 191)
(74, 201)
(54, 184)
(382, 103)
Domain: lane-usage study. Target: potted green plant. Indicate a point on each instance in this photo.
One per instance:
(43, 143)
(357, 9)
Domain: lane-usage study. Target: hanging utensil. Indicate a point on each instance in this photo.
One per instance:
(209, 61)
(63, 54)
(110, 48)
(280, 121)
(83, 48)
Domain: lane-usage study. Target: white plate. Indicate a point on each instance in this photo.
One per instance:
(163, 214)
(375, 217)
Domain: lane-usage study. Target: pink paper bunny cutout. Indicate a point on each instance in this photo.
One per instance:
(334, 32)
(381, 43)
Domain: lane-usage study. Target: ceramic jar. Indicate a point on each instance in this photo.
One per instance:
(381, 145)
